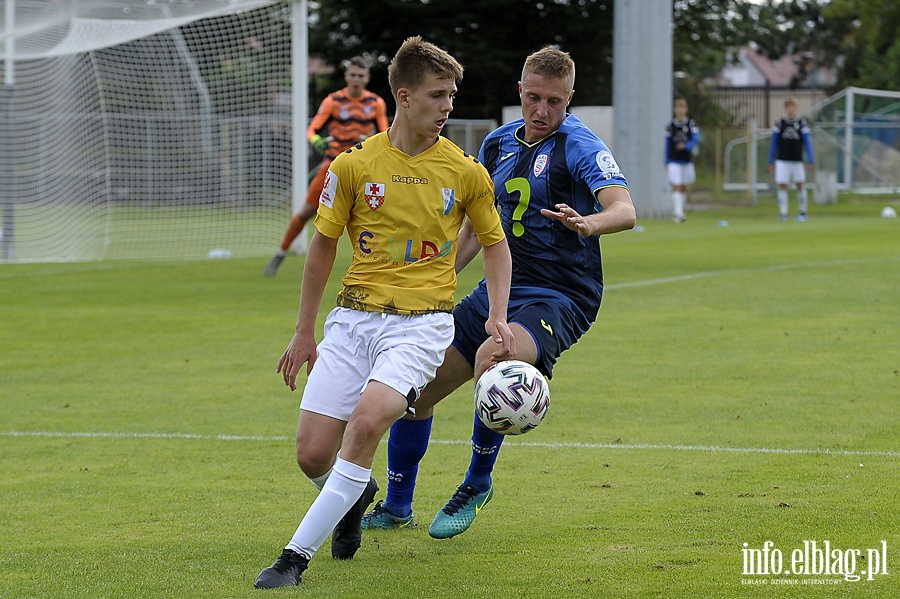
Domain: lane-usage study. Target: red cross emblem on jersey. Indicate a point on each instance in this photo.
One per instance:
(374, 195)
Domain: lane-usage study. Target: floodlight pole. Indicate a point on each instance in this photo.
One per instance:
(642, 100)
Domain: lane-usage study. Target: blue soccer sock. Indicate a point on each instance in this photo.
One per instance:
(406, 448)
(485, 447)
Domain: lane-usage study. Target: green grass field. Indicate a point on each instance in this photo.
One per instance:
(740, 386)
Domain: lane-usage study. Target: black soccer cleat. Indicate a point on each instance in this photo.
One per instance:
(286, 571)
(347, 535)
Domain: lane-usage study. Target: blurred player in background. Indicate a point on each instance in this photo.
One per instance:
(790, 139)
(682, 138)
(559, 189)
(345, 117)
(402, 196)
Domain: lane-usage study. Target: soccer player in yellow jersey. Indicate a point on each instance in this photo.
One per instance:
(402, 196)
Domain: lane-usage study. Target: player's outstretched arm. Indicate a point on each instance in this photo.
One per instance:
(302, 348)
(617, 215)
(498, 275)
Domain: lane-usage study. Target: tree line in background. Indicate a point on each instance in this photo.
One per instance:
(491, 38)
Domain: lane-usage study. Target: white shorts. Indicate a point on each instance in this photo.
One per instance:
(789, 171)
(400, 350)
(681, 173)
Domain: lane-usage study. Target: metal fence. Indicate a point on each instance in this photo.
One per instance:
(764, 104)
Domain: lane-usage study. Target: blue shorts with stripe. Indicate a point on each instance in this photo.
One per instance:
(554, 321)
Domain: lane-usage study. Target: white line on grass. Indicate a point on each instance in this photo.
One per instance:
(632, 446)
(742, 271)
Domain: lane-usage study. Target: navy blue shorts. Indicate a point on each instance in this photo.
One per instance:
(553, 320)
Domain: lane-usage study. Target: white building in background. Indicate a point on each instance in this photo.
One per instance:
(748, 67)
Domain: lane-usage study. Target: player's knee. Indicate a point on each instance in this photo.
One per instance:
(314, 461)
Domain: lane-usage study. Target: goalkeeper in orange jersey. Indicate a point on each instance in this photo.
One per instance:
(345, 117)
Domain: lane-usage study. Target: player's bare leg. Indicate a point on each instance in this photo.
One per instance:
(379, 407)
(409, 441)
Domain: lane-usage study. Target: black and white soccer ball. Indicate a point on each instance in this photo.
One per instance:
(512, 397)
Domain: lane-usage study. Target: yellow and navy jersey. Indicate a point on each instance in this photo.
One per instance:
(567, 167)
(346, 119)
(403, 215)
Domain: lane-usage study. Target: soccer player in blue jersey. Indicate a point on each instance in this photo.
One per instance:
(682, 137)
(402, 196)
(790, 139)
(559, 189)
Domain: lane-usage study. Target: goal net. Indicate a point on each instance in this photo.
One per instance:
(144, 129)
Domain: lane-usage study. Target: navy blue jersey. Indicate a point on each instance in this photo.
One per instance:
(790, 138)
(685, 132)
(568, 167)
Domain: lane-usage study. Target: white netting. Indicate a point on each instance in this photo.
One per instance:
(144, 129)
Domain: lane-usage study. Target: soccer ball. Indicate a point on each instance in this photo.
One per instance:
(888, 212)
(512, 397)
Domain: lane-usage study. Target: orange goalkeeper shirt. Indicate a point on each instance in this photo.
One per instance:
(346, 119)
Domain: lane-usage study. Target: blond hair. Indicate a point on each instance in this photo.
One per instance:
(552, 63)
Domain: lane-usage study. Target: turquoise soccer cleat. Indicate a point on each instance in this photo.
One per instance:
(456, 517)
(380, 517)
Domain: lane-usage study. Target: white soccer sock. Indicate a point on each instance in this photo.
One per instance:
(801, 200)
(677, 203)
(782, 202)
(345, 485)
(319, 481)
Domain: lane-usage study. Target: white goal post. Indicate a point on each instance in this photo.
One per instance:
(856, 145)
(145, 129)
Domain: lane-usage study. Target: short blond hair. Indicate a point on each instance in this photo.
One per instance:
(553, 63)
